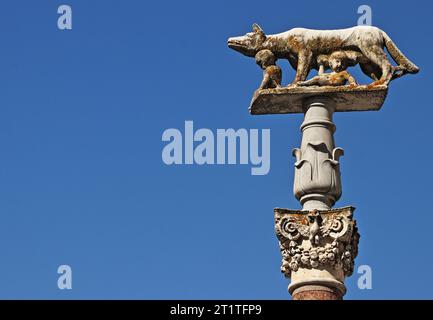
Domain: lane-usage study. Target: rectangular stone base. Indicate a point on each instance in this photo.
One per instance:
(292, 99)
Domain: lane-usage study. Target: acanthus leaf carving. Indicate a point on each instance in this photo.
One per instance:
(317, 171)
(317, 239)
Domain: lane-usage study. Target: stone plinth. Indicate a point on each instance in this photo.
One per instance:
(291, 99)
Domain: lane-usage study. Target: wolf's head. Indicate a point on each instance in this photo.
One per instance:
(250, 43)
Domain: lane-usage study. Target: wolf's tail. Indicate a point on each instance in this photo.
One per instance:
(398, 56)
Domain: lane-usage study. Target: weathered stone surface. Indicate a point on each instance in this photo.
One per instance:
(318, 247)
(292, 99)
(303, 48)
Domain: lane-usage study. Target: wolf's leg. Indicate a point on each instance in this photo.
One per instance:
(371, 70)
(378, 56)
(304, 65)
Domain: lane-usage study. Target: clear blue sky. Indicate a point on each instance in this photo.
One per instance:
(82, 181)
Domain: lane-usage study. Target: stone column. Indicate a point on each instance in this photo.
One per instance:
(318, 243)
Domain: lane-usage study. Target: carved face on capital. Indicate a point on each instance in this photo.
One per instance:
(314, 216)
(250, 43)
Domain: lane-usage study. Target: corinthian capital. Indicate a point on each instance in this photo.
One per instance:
(322, 240)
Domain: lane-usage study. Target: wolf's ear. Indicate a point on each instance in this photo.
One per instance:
(256, 28)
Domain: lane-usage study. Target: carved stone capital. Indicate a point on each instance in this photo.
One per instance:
(317, 247)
